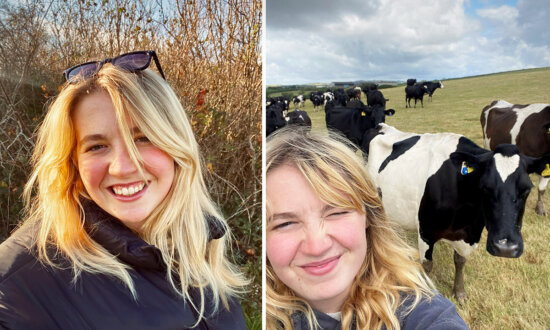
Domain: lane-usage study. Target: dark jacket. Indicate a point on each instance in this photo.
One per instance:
(37, 296)
(439, 313)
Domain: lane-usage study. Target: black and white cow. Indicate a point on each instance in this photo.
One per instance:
(340, 97)
(527, 126)
(317, 99)
(298, 117)
(274, 118)
(431, 87)
(374, 96)
(328, 96)
(355, 119)
(354, 93)
(299, 101)
(446, 187)
(414, 91)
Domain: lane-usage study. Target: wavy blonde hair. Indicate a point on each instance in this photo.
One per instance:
(339, 178)
(177, 227)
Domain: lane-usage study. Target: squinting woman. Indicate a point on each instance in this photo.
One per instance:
(334, 261)
(121, 232)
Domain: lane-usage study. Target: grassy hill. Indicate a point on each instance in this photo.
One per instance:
(503, 293)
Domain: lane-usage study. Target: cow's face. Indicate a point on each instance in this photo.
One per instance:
(274, 119)
(503, 186)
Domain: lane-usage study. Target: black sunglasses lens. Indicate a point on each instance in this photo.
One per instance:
(83, 71)
(130, 62)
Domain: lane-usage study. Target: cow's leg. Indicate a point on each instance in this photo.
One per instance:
(422, 102)
(543, 182)
(425, 250)
(458, 288)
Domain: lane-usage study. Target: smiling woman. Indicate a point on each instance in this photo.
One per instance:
(119, 217)
(334, 261)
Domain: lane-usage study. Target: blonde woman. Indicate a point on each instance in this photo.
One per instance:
(334, 261)
(121, 232)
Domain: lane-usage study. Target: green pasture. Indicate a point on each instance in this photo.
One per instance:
(502, 293)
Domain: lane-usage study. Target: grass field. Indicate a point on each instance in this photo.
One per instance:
(502, 293)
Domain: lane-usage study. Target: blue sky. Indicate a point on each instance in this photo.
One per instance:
(310, 41)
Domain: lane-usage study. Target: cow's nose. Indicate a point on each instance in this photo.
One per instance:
(506, 248)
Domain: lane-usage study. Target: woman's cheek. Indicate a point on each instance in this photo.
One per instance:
(281, 249)
(350, 232)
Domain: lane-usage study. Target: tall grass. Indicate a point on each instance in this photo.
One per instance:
(502, 293)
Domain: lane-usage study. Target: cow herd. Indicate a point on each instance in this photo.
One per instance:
(444, 186)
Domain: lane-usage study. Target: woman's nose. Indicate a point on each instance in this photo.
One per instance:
(316, 241)
(121, 163)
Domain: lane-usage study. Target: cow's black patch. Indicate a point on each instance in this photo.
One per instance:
(398, 149)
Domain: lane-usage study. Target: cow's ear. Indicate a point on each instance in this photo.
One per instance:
(389, 112)
(540, 165)
(466, 163)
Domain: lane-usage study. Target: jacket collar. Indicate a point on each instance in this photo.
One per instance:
(300, 321)
(120, 240)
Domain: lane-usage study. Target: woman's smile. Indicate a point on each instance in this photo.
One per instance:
(129, 192)
(322, 267)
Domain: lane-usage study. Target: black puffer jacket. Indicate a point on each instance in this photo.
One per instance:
(435, 314)
(37, 296)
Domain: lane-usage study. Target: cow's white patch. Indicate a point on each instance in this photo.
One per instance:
(441, 83)
(522, 114)
(461, 247)
(506, 165)
(422, 248)
(402, 190)
(543, 182)
(487, 143)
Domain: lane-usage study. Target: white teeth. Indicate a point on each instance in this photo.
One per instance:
(129, 191)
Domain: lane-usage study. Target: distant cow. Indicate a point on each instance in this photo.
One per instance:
(354, 93)
(298, 101)
(355, 119)
(317, 99)
(527, 126)
(340, 97)
(274, 118)
(444, 186)
(414, 91)
(431, 87)
(298, 117)
(374, 96)
(328, 96)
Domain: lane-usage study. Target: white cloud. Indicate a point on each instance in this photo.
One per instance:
(384, 39)
(505, 14)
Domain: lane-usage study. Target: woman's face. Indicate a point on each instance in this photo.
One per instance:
(110, 177)
(314, 248)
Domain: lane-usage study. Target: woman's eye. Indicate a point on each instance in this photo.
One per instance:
(283, 225)
(339, 213)
(95, 147)
(142, 139)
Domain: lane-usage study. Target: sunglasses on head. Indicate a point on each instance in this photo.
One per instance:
(133, 62)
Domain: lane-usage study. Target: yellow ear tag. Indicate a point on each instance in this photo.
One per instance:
(465, 169)
(548, 130)
(546, 171)
(363, 114)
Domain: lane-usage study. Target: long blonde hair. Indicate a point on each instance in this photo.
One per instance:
(339, 178)
(177, 227)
